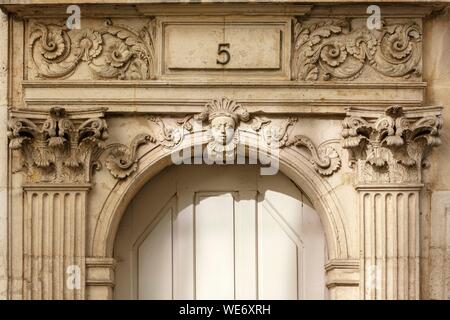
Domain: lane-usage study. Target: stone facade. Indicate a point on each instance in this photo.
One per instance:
(355, 117)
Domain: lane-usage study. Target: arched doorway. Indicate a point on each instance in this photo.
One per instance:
(220, 232)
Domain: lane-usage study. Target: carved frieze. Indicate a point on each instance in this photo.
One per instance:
(110, 52)
(334, 50)
(324, 49)
(391, 147)
(222, 121)
(63, 147)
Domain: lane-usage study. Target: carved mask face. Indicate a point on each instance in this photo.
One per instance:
(223, 129)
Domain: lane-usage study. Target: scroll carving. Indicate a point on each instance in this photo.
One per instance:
(332, 50)
(393, 147)
(111, 52)
(225, 118)
(275, 136)
(122, 161)
(168, 136)
(325, 160)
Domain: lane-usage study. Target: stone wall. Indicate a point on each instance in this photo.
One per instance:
(436, 224)
(4, 156)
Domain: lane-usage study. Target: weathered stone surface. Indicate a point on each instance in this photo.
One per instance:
(356, 117)
(3, 156)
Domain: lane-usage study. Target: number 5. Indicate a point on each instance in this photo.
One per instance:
(223, 50)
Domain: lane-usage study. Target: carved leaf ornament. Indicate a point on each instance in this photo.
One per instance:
(330, 49)
(64, 150)
(58, 149)
(111, 52)
(393, 143)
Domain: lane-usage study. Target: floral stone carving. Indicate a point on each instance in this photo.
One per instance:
(331, 49)
(392, 147)
(111, 52)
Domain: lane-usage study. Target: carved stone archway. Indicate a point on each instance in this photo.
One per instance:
(292, 163)
(387, 150)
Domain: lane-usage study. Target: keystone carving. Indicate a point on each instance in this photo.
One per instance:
(392, 147)
(331, 49)
(224, 116)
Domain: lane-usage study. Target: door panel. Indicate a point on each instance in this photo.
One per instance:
(245, 245)
(225, 233)
(214, 246)
(154, 263)
(184, 246)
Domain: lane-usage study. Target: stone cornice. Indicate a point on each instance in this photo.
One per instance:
(324, 8)
(42, 115)
(144, 8)
(224, 84)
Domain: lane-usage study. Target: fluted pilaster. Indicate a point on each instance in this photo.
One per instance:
(389, 240)
(54, 241)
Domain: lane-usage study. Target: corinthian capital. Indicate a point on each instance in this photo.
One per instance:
(391, 147)
(57, 146)
(63, 147)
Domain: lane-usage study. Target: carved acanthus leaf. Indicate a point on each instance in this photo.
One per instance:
(259, 122)
(169, 136)
(112, 52)
(58, 149)
(393, 144)
(331, 49)
(275, 136)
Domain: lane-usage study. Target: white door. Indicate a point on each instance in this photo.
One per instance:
(220, 232)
